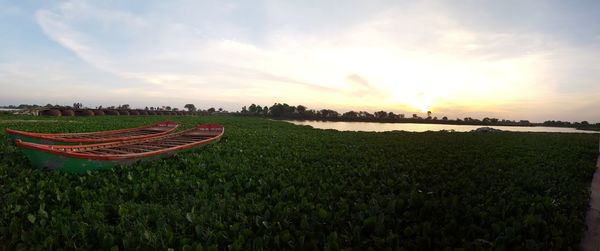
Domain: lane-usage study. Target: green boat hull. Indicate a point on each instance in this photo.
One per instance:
(48, 161)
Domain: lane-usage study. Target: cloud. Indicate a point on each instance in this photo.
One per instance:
(357, 79)
(182, 61)
(71, 39)
(398, 56)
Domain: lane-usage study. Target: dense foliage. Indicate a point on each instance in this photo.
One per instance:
(300, 112)
(274, 185)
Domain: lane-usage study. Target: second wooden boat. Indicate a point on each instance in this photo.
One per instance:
(142, 132)
(81, 158)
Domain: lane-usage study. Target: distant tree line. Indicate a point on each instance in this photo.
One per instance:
(301, 112)
(78, 109)
(583, 125)
(558, 123)
(21, 106)
(79, 106)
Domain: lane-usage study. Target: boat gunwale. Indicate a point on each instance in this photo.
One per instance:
(57, 136)
(55, 149)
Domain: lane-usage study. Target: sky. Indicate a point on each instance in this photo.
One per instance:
(536, 60)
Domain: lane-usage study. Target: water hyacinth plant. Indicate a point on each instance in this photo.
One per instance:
(274, 185)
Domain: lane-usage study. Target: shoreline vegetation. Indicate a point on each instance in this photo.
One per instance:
(283, 111)
(302, 113)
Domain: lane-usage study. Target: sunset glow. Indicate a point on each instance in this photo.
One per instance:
(409, 57)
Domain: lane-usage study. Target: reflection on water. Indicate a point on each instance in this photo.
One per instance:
(412, 127)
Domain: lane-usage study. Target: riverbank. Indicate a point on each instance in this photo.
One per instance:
(479, 123)
(423, 127)
(405, 120)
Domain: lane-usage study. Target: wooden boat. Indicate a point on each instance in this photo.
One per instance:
(81, 158)
(142, 132)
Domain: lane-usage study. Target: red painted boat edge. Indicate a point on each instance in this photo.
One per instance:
(56, 136)
(52, 148)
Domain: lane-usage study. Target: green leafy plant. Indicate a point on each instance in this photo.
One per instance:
(273, 185)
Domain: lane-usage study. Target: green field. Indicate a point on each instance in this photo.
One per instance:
(273, 185)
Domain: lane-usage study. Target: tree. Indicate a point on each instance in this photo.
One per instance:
(380, 114)
(327, 113)
(124, 107)
(211, 110)
(277, 110)
(301, 109)
(168, 108)
(282, 110)
(253, 109)
(190, 107)
(350, 114)
(363, 114)
(220, 109)
(244, 110)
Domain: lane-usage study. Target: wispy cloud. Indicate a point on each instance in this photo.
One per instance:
(362, 83)
(393, 56)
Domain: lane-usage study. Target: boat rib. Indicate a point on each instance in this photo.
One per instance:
(80, 158)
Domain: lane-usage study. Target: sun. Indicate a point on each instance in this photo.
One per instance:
(423, 107)
(421, 102)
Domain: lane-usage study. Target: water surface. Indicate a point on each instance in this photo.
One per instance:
(417, 127)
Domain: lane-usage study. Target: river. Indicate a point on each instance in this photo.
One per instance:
(418, 127)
